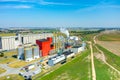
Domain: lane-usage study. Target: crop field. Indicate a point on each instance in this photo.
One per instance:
(113, 46)
(111, 58)
(12, 77)
(109, 36)
(2, 70)
(110, 40)
(77, 69)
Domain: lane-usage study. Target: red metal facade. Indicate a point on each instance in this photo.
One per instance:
(44, 46)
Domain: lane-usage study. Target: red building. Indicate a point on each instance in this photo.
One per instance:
(45, 45)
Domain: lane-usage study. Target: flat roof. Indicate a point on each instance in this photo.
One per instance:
(67, 52)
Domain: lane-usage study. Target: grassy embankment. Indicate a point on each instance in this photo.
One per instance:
(104, 72)
(101, 68)
(111, 58)
(77, 69)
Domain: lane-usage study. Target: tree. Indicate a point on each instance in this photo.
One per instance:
(1, 54)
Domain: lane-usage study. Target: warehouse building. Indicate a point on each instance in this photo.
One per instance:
(8, 43)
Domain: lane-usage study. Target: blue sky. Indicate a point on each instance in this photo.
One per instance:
(59, 13)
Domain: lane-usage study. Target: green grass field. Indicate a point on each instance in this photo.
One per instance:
(101, 70)
(8, 56)
(104, 72)
(88, 37)
(111, 58)
(110, 37)
(7, 60)
(10, 53)
(77, 69)
(12, 77)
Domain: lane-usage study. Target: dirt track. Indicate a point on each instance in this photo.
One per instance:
(113, 46)
(92, 63)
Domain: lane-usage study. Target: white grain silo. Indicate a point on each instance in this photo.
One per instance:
(28, 54)
(36, 52)
(21, 53)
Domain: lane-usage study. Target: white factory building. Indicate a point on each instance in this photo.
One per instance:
(12, 42)
(31, 38)
(77, 49)
(8, 43)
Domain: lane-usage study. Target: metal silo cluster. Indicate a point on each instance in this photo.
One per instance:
(28, 53)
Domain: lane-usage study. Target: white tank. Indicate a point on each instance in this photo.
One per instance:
(21, 52)
(28, 54)
(36, 53)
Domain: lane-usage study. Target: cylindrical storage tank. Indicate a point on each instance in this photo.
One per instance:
(28, 54)
(21, 52)
(36, 53)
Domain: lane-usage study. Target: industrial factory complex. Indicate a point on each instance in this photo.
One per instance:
(49, 48)
(15, 41)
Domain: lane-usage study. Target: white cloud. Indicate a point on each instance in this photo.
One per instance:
(43, 2)
(18, 0)
(95, 7)
(16, 6)
(101, 5)
(8, 0)
(22, 6)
